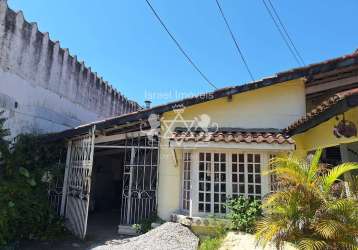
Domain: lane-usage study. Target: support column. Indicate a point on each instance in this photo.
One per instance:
(194, 181)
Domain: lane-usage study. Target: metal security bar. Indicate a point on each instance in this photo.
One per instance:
(77, 183)
(55, 189)
(139, 179)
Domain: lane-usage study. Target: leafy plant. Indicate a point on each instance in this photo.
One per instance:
(25, 212)
(244, 213)
(310, 209)
(146, 224)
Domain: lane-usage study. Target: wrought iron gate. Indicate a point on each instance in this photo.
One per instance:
(139, 179)
(77, 183)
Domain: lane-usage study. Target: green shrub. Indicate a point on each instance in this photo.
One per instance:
(146, 224)
(243, 213)
(25, 212)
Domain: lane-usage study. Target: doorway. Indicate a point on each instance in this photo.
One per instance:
(112, 178)
(134, 185)
(106, 191)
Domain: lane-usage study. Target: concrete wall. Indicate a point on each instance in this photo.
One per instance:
(270, 107)
(42, 87)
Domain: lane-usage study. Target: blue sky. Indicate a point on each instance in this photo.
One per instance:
(124, 43)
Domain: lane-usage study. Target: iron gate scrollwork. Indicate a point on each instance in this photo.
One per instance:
(139, 179)
(77, 183)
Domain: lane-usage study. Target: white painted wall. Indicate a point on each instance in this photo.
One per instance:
(38, 110)
(53, 90)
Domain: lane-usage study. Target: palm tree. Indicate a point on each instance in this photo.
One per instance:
(310, 208)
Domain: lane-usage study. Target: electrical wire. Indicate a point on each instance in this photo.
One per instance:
(286, 32)
(281, 33)
(179, 46)
(235, 41)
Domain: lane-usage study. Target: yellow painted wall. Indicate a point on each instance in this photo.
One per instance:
(271, 107)
(322, 135)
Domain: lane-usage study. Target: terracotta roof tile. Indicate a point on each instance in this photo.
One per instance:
(227, 137)
(330, 102)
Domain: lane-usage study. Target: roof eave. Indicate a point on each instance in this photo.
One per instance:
(339, 108)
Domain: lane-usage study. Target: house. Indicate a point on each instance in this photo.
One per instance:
(183, 159)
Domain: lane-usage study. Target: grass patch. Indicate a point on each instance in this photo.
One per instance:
(211, 243)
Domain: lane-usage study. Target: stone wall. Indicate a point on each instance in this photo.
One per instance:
(45, 89)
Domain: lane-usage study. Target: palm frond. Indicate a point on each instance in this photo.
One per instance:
(268, 230)
(332, 176)
(329, 228)
(342, 206)
(308, 210)
(351, 245)
(290, 174)
(314, 165)
(353, 186)
(312, 244)
(277, 198)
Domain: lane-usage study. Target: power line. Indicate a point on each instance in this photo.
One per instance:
(286, 32)
(281, 33)
(235, 41)
(179, 46)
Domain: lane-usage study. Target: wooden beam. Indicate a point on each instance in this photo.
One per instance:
(331, 85)
(118, 137)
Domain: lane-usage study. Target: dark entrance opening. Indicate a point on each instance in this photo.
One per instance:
(106, 191)
(331, 156)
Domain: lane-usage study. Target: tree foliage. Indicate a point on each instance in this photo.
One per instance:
(311, 208)
(25, 212)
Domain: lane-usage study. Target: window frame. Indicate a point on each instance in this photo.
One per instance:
(265, 182)
(183, 180)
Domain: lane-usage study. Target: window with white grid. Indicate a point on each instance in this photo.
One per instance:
(212, 182)
(204, 182)
(254, 176)
(246, 175)
(238, 175)
(213, 186)
(186, 180)
(219, 182)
